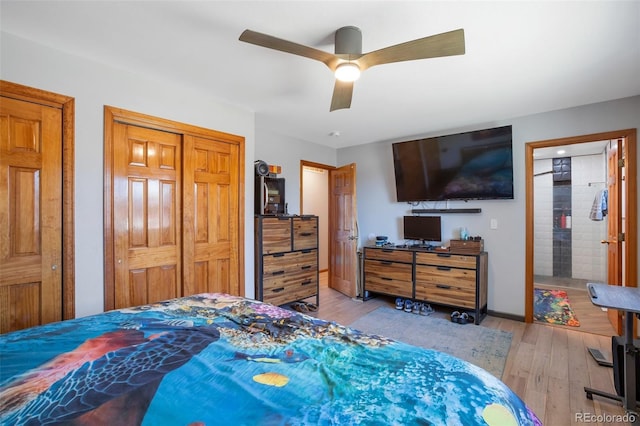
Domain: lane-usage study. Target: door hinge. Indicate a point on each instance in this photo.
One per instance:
(621, 162)
(621, 237)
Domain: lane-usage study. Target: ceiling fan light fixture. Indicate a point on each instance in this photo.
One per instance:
(347, 72)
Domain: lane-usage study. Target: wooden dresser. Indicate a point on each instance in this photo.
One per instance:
(457, 280)
(286, 258)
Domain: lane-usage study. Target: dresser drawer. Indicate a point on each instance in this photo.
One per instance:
(388, 270)
(388, 254)
(382, 276)
(446, 259)
(446, 276)
(305, 233)
(284, 263)
(463, 297)
(388, 286)
(280, 289)
(276, 235)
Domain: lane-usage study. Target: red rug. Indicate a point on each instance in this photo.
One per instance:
(552, 306)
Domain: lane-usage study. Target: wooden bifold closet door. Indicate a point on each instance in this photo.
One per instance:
(173, 210)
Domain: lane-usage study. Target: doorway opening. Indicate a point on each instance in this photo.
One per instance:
(565, 247)
(341, 236)
(314, 199)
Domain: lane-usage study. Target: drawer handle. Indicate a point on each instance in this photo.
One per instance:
(446, 287)
(387, 279)
(277, 273)
(307, 251)
(444, 254)
(278, 290)
(307, 282)
(278, 255)
(283, 218)
(386, 262)
(306, 234)
(306, 267)
(443, 268)
(387, 250)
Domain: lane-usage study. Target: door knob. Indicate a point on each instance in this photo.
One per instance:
(54, 267)
(608, 242)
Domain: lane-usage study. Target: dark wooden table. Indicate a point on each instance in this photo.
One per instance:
(626, 299)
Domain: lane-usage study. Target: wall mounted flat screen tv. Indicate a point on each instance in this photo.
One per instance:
(422, 228)
(475, 165)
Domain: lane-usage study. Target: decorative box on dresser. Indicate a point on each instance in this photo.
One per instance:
(457, 280)
(286, 258)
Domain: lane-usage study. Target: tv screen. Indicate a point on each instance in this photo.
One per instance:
(422, 228)
(464, 166)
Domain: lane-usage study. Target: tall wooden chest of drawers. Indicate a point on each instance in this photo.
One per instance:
(286, 258)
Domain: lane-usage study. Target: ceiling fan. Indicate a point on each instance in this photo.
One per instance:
(348, 61)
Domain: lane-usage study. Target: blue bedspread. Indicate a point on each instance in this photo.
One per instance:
(215, 359)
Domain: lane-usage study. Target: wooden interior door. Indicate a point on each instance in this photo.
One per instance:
(614, 225)
(211, 216)
(30, 214)
(147, 211)
(343, 230)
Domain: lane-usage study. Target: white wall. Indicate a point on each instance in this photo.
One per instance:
(315, 201)
(282, 150)
(588, 254)
(379, 213)
(543, 218)
(94, 85)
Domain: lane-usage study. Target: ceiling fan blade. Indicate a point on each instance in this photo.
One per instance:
(445, 44)
(342, 94)
(275, 43)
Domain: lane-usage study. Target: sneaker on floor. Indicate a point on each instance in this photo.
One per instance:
(399, 303)
(426, 309)
(417, 306)
(408, 305)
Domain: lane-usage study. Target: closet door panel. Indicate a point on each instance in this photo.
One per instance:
(212, 178)
(147, 208)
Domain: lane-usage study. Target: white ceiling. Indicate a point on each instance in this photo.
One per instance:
(521, 57)
(573, 150)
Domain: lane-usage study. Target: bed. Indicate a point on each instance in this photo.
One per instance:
(214, 359)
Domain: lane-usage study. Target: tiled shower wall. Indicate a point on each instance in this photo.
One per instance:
(543, 218)
(588, 255)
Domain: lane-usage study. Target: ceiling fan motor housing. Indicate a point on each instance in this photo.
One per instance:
(348, 41)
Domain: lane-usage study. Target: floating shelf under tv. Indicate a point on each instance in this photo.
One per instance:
(469, 210)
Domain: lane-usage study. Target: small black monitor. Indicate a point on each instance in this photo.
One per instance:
(422, 228)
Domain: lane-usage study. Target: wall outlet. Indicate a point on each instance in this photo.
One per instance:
(494, 223)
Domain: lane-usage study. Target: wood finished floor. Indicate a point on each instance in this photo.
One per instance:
(547, 366)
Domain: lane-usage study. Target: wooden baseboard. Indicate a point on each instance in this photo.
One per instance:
(505, 315)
